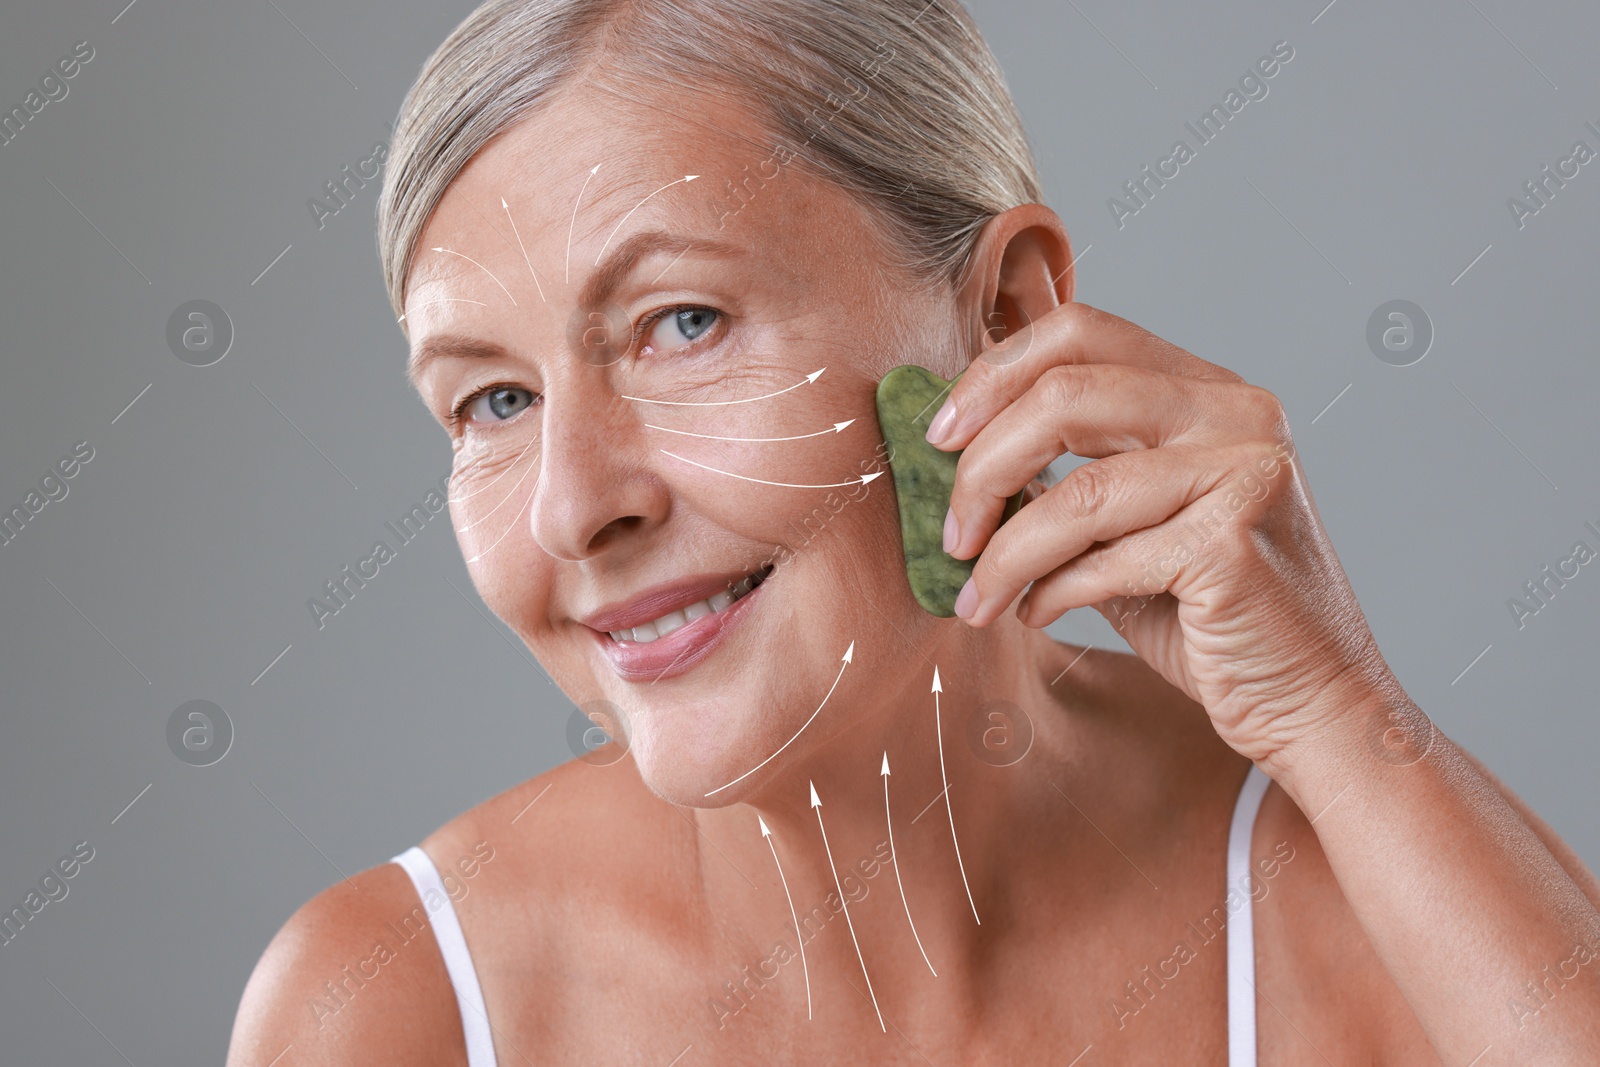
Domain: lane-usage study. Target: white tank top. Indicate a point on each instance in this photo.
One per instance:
(1240, 929)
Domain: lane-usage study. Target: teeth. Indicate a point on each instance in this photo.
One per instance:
(644, 633)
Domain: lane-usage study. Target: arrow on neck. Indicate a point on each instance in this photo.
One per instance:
(816, 805)
(893, 858)
(939, 733)
(766, 832)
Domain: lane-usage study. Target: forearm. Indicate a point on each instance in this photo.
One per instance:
(1491, 942)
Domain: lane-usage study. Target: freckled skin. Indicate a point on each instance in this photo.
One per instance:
(622, 903)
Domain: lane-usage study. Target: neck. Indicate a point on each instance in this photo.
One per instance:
(956, 849)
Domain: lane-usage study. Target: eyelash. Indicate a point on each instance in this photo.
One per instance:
(458, 413)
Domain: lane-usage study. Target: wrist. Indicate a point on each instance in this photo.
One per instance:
(1367, 735)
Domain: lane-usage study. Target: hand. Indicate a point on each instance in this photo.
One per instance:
(1192, 531)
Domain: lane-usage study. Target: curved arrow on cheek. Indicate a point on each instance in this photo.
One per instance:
(860, 480)
(835, 428)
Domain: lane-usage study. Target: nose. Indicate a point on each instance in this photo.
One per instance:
(598, 487)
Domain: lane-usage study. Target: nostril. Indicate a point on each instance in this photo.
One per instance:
(614, 529)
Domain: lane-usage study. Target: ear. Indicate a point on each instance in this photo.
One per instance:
(1020, 269)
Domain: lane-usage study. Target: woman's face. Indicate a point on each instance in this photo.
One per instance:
(626, 361)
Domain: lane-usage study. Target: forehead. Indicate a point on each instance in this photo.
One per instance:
(590, 160)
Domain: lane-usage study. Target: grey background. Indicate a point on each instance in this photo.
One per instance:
(179, 565)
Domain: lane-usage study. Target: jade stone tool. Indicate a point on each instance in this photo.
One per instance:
(924, 477)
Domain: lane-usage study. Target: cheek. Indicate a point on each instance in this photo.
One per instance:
(491, 484)
(777, 471)
(836, 554)
(491, 488)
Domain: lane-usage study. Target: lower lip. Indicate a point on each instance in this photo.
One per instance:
(676, 653)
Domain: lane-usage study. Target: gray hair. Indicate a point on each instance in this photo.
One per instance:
(899, 102)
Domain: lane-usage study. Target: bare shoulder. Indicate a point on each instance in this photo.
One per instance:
(356, 975)
(347, 980)
(580, 828)
(565, 884)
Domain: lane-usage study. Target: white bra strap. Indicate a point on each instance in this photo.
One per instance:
(457, 959)
(1241, 925)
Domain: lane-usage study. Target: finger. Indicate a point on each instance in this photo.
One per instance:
(1088, 410)
(1099, 501)
(1069, 333)
(1141, 620)
(1135, 569)
(1147, 562)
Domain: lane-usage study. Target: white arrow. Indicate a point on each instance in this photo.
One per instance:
(485, 488)
(512, 525)
(524, 250)
(813, 376)
(574, 221)
(939, 732)
(816, 805)
(443, 300)
(636, 207)
(766, 833)
(480, 266)
(837, 427)
(849, 654)
(861, 480)
(894, 860)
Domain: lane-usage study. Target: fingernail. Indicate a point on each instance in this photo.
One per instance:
(942, 424)
(967, 600)
(952, 531)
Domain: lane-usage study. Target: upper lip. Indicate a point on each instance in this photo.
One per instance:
(658, 600)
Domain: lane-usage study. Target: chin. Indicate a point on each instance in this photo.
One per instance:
(754, 677)
(705, 731)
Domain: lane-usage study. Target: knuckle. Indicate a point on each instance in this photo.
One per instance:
(1266, 460)
(1264, 406)
(1217, 372)
(1081, 493)
(1239, 540)
(1069, 322)
(994, 565)
(1087, 315)
(1072, 313)
(1062, 386)
(969, 480)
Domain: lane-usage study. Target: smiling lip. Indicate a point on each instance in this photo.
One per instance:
(678, 651)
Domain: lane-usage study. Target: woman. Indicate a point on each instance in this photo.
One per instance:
(625, 241)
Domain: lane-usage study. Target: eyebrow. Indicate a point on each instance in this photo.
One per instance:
(447, 345)
(599, 288)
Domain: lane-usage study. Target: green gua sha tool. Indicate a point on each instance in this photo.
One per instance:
(924, 477)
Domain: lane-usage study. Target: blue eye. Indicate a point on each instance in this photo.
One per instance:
(679, 326)
(497, 403)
